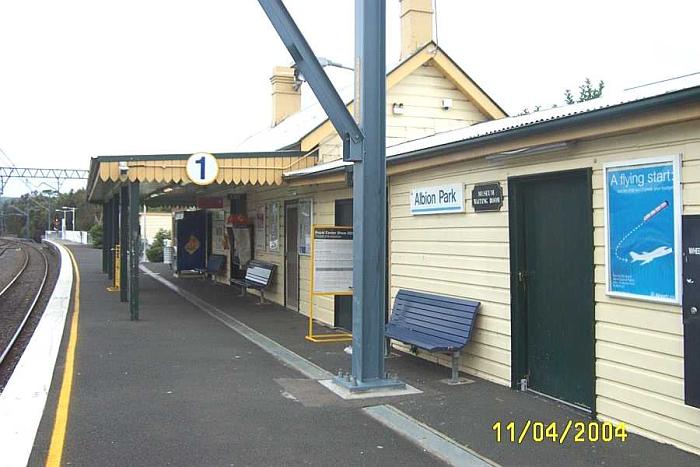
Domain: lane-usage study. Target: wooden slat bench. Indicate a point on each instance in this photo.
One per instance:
(433, 323)
(258, 276)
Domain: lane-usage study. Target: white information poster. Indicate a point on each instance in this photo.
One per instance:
(260, 238)
(332, 260)
(304, 222)
(241, 244)
(218, 237)
(273, 221)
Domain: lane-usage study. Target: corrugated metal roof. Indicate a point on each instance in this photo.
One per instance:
(336, 164)
(510, 123)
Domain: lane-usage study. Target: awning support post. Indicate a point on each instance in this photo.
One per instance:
(134, 249)
(108, 233)
(123, 242)
(105, 244)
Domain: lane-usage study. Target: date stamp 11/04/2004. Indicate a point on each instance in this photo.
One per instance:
(553, 432)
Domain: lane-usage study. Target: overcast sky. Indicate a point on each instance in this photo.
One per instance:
(83, 78)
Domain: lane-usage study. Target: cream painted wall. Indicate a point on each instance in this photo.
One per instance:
(152, 222)
(323, 214)
(421, 94)
(639, 345)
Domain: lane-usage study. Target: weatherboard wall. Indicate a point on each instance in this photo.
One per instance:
(421, 93)
(323, 214)
(639, 345)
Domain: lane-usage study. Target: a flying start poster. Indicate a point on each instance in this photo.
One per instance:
(643, 205)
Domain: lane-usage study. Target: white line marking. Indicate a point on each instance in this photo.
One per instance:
(23, 401)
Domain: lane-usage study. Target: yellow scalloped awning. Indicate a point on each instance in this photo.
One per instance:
(237, 171)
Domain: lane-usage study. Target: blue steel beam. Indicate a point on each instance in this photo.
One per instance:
(369, 202)
(307, 63)
(368, 151)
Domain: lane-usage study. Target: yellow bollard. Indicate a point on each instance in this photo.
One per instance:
(117, 269)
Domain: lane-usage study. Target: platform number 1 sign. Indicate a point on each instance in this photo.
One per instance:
(202, 168)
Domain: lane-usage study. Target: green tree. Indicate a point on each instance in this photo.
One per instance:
(155, 251)
(43, 216)
(586, 92)
(96, 235)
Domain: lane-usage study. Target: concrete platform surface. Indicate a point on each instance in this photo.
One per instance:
(180, 388)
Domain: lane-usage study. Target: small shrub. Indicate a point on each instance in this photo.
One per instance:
(96, 235)
(155, 251)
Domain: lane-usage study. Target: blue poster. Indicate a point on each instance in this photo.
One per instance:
(191, 241)
(642, 230)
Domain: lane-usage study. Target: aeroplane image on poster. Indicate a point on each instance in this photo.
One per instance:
(649, 256)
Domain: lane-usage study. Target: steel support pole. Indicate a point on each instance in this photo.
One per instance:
(108, 235)
(123, 242)
(367, 147)
(134, 249)
(105, 247)
(48, 215)
(369, 201)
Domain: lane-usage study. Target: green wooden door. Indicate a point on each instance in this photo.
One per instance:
(556, 282)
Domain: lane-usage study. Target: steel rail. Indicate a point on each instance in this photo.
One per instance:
(33, 304)
(24, 266)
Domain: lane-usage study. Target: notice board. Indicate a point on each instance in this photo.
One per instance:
(331, 260)
(643, 207)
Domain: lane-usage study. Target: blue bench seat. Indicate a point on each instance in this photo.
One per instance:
(434, 323)
(258, 276)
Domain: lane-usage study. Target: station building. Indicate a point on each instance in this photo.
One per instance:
(557, 226)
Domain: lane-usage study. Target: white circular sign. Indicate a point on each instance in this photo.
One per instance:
(202, 168)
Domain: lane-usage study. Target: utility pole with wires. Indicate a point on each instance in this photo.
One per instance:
(58, 176)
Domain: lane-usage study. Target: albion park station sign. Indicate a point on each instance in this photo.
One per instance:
(442, 199)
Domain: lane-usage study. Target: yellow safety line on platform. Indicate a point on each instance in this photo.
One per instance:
(61, 421)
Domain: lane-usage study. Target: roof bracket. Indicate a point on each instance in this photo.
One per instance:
(352, 151)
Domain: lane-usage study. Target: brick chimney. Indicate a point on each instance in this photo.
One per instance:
(286, 95)
(416, 25)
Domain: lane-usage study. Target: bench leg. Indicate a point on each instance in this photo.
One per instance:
(242, 291)
(455, 368)
(262, 297)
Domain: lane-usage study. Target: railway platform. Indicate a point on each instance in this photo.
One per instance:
(208, 378)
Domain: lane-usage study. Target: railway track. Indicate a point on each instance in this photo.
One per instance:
(20, 295)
